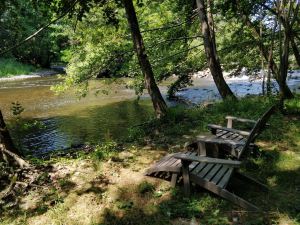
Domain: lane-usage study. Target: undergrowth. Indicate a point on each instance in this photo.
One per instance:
(10, 67)
(277, 166)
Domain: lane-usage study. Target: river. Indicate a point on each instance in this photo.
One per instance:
(69, 121)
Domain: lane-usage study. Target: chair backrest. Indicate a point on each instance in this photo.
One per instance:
(257, 129)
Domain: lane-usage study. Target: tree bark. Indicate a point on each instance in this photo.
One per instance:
(5, 137)
(295, 50)
(211, 53)
(284, 59)
(9, 152)
(159, 104)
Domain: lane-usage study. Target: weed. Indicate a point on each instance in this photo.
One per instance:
(145, 187)
(105, 150)
(124, 205)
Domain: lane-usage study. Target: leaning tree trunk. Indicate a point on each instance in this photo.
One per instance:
(159, 104)
(211, 53)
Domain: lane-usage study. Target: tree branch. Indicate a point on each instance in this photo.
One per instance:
(171, 26)
(39, 30)
(174, 39)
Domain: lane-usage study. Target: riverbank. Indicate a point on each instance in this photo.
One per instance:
(105, 185)
(38, 74)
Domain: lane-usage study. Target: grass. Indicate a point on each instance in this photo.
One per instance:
(10, 67)
(118, 193)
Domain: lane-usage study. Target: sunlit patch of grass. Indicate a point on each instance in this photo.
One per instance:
(10, 67)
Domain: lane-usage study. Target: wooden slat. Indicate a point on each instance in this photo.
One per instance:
(220, 174)
(241, 132)
(206, 170)
(213, 172)
(165, 158)
(169, 162)
(199, 168)
(225, 179)
(186, 178)
(240, 119)
(184, 157)
(221, 132)
(224, 134)
(175, 162)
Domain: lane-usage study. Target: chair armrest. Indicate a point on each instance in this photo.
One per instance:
(216, 140)
(184, 157)
(240, 119)
(217, 127)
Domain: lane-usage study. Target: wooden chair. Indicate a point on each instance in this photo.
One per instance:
(214, 174)
(227, 141)
(210, 173)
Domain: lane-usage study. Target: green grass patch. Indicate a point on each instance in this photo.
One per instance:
(10, 67)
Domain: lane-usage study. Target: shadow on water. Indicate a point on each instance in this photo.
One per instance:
(91, 125)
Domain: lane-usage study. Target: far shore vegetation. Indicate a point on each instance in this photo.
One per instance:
(10, 67)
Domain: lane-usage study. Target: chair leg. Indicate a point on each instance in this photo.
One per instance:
(237, 200)
(186, 177)
(251, 180)
(174, 179)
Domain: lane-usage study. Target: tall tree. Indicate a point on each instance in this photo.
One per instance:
(211, 51)
(159, 104)
(279, 74)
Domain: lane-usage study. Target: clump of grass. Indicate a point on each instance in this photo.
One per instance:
(293, 105)
(105, 150)
(10, 67)
(145, 187)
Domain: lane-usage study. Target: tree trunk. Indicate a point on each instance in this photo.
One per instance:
(295, 50)
(5, 138)
(211, 53)
(159, 104)
(284, 61)
(270, 57)
(284, 89)
(9, 152)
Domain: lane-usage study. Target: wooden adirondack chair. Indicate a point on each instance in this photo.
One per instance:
(229, 141)
(212, 174)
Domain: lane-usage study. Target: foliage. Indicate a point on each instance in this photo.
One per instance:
(100, 48)
(16, 108)
(105, 150)
(190, 121)
(18, 20)
(145, 187)
(293, 105)
(10, 67)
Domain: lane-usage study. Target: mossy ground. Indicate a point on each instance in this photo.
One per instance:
(103, 188)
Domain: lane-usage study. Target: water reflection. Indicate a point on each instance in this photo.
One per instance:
(91, 125)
